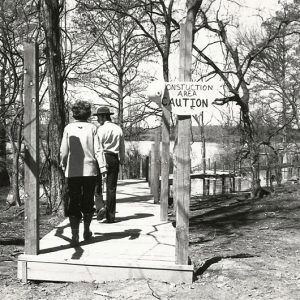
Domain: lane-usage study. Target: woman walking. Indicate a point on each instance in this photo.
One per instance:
(79, 163)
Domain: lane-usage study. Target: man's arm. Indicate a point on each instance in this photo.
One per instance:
(99, 152)
(122, 150)
(64, 150)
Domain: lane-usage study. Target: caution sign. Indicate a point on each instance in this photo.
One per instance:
(191, 98)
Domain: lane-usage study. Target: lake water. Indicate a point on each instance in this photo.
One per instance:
(214, 151)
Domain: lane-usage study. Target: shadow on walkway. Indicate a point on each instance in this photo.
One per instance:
(100, 237)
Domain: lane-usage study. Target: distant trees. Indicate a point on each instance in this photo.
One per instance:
(234, 70)
(114, 72)
(152, 29)
(15, 28)
(275, 76)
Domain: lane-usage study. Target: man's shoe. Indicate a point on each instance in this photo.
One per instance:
(87, 235)
(101, 214)
(109, 221)
(75, 240)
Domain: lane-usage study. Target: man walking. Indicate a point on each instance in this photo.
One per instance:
(110, 155)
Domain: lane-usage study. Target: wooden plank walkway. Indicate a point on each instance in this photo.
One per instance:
(138, 245)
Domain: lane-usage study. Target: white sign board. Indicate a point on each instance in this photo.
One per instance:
(191, 98)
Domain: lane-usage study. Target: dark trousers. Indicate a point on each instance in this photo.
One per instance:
(112, 162)
(81, 194)
(99, 203)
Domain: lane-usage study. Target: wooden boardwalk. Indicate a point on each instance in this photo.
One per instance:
(138, 245)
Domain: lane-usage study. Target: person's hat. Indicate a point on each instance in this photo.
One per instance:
(103, 110)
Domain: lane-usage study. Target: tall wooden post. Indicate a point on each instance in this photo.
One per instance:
(215, 179)
(141, 168)
(31, 142)
(165, 161)
(183, 153)
(151, 168)
(156, 165)
(147, 168)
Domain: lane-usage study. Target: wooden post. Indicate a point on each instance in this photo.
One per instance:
(240, 177)
(147, 168)
(31, 142)
(141, 168)
(175, 150)
(183, 154)
(204, 172)
(233, 179)
(215, 179)
(208, 179)
(223, 184)
(165, 161)
(152, 166)
(156, 167)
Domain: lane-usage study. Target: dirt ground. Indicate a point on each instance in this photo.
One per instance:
(241, 249)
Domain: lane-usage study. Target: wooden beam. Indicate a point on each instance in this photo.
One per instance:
(183, 186)
(31, 141)
(165, 161)
(156, 165)
(151, 168)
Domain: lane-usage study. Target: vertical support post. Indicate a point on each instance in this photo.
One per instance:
(215, 179)
(31, 141)
(175, 172)
(151, 167)
(240, 177)
(183, 154)
(223, 183)
(141, 167)
(233, 178)
(165, 161)
(146, 170)
(208, 179)
(156, 165)
(204, 172)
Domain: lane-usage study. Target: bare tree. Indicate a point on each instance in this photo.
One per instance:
(14, 28)
(234, 71)
(52, 11)
(117, 53)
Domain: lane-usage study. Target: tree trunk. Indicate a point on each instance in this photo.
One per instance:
(56, 98)
(16, 150)
(4, 177)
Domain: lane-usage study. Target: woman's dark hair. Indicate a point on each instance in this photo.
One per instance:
(81, 110)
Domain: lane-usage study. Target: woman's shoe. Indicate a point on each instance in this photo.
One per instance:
(101, 214)
(74, 223)
(87, 219)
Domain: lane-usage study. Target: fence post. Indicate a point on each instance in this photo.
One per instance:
(152, 168)
(146, 169)
(183, 181)
(156, 166)
(215, 179)
(203, 180)
(240, 177)
(31, 141)
(233, 178)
